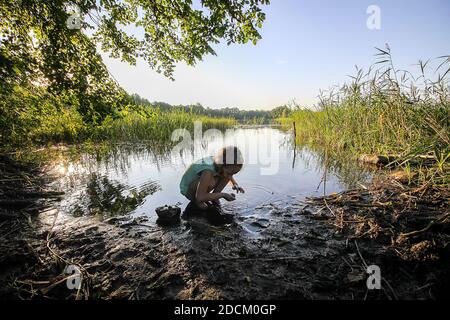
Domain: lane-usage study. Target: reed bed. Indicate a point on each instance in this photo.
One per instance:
(157, 125)
(384, 111)
(131, 125)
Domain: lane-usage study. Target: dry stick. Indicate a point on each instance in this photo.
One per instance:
(345, 260)
(360, 255)
(31, 282)
(398, 184)
(325, 174)
(424, 287)
(390, 288)
(362, 186)
(359, 183)
(432, 223)
(423, 187)
(255, 258)
(364, 264)
(383, 279)
(8, 233)
(42, 209)
(324, 179)
(58, 257)
(34, 252)
(368, 205)
(295, 145)
(54, 284)
(326, 204)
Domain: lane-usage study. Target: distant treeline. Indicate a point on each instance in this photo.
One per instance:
(242, 116)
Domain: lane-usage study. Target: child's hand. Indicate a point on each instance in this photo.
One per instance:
(229, 196)
(238, 189)
(216, 203)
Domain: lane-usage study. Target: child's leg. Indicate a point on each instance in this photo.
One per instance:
(192, 191)
(218, 186)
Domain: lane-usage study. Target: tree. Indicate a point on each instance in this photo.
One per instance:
(37, 45)
(281, 112)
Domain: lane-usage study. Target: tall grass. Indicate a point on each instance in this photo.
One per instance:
(158, 126)
(60, 124)
(383, 111)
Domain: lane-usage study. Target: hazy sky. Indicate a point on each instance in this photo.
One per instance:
(306, 45)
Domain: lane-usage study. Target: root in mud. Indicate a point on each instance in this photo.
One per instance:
(413, 222)
(410, 223)
(321, 251)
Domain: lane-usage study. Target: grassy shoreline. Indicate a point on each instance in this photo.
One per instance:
(383, 112)
(67, 126)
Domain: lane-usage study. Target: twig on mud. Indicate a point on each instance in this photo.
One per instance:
(362, 186)
(442, 219)
(360, 255)
(54, 284)
(398, 184)
(58, 257)
(366, 205)
(382, 279)
(345, 260)
(11, 179)
(390, 288)
(254, 258)
(34, 252)
(8, 233)
(424, 287)
(328, 207)
(357, 182)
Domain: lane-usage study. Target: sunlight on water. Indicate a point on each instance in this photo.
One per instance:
(136, 179)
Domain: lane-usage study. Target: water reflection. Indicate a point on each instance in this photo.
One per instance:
(106, 197)
(137, 178)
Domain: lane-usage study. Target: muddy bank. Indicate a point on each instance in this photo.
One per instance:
(317, 250)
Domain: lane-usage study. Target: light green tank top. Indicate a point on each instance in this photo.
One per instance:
(194, 171)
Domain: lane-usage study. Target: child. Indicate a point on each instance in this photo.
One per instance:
(204, 180)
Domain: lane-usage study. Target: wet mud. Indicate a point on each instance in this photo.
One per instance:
(312, 250)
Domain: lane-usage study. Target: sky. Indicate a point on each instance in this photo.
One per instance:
(306, 45)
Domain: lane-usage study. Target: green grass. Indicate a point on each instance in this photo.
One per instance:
(62, 124)
(30, 115)
(158, 126)
(383, 111)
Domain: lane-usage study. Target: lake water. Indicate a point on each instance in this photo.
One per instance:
(134, 179)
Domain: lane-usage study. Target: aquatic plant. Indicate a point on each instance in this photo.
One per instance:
(383, 111)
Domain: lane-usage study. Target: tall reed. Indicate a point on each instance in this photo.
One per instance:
(383, 111)
(156, 126)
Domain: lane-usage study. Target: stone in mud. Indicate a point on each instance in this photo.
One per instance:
(356, 276)
(112, 220)
(261, 223)
(307, 210)
(168, 214)
(91, 230)
(376, 159)
(141, 219)
(319, 216)
(401, 176)
(276, 212)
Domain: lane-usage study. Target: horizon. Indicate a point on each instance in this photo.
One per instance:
(292, 63)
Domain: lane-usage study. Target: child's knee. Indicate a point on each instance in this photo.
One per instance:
(201, 205)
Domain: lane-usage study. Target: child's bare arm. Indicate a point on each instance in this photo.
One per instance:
(202, 194)
(236, 186)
